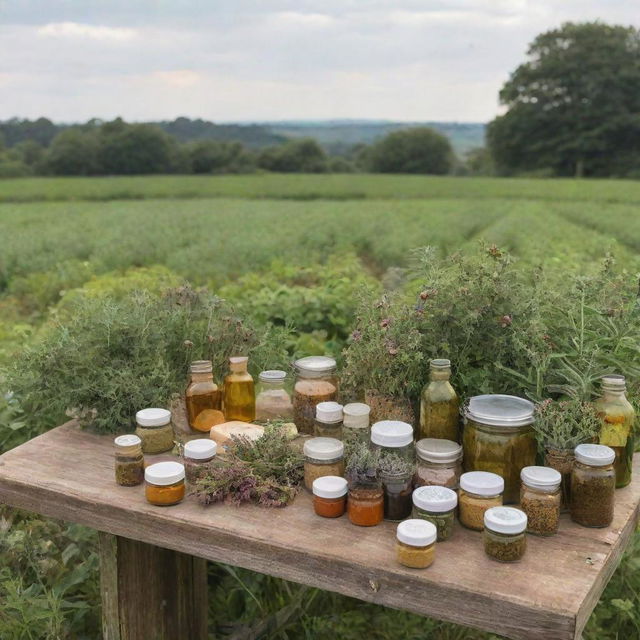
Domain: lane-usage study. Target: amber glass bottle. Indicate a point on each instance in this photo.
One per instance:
(439, 404)
(239, 396)
(617, 426)
(203, 398)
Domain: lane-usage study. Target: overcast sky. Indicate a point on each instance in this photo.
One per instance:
(247, 60)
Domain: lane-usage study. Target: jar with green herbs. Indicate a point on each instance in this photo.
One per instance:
(479, 491)
(393, 436)
(129, 461)
(315, 382)
(416, 542)
(439, 404)
(438, 506)
(540, 499)
(153, 427)
(322, 457)
(328, 420)
(505, 537)
(439, 463)
(199, 456)
(355, 422)
(617, 431)
(593, 483)
(498, 437)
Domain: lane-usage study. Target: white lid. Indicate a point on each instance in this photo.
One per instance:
(542, 478)
(323, 448)
(329, 487)
(596, 455)
(200, 449)
(437, 499)
(153, 417)
(391, 433)
(129, 440)
(499, 410)
(482, 483)
(328, 412)
(438, 450)
(417, 533)
(356, 415)
(314, 366)
(505, 520)
(273, 375)
(164, 473)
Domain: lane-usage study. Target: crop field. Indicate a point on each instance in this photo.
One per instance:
(294, 248)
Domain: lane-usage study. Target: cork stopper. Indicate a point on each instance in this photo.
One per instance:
(238, 364)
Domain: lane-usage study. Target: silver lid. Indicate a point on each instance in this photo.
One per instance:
(499, 410)
(272, 375)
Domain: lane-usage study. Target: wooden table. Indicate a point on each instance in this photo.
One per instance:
(153, 572)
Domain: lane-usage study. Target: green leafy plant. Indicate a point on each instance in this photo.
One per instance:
(564, 424)
(363, 464)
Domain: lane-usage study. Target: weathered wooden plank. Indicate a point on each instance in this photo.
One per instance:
(548, 595)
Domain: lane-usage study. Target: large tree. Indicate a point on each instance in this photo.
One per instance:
(573, 108)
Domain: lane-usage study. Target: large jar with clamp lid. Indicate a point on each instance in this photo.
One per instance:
(316, 382)
(499, 438)
(439, 463)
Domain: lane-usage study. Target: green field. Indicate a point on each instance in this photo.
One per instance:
(288, 246)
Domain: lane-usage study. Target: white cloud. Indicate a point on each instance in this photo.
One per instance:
(79, 30)
(178, 78)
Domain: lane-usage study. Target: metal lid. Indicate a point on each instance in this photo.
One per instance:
(596, 455)
(417, 533)
(436, 499)
(201, 366)
(328, 412)
(329, 487)
(440, 363)
(315, 365)
(323, 449)
(542, 478)
(614, 382)
(499, 410)
(164, 473)
(200, 449)
(272, 375)
(438, 450)
(153, 417)
(392, 433)
(505, 520)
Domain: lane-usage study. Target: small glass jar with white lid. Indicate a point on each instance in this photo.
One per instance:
(479, 491)
(129, 461)
(153, 427)
(164, 483)
(330, 496)
(438, 506)
(416, 541)
(540, 499)
(393, 436)
(505, 537)
(439, 463)
(273, 402)
(316, 381)
(328, 420)
(322, 457)
(199, 456)
(355, 422)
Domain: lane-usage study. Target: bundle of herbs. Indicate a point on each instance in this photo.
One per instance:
(363, 465)
(266, 471)
(564, 424)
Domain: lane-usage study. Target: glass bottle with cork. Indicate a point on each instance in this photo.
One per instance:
(203, 398)
(239, 396)
(439, 404)
(617, 425)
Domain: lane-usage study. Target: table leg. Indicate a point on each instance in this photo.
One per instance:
(151, 593)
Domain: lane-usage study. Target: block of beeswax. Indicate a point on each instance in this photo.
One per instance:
(222, 433)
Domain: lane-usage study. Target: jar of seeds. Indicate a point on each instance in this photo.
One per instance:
(540, 499)
(505, 537)
(316, 381)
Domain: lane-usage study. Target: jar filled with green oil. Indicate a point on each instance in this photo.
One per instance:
(439, 404)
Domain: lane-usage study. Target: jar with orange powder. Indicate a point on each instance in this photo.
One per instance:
(164, 483)
(329, 496)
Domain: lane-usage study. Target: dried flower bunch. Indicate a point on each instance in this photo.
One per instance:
(564, 424)
(391, 464)
(363, 464)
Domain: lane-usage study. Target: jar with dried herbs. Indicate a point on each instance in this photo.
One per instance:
(355, 422)
(164, 483)
(540, 499)
(505, 537)
(153, 427)
(203, 398)
(498, 437)
(393, 436)
(273, 401)
(329, 496)
(365, 502)
(322, 457)
(439, 404)
(479, 491)
(239, 395)
(593, 483)
(438, 506)
(416, 542)
(439, 463)
(316, 381)
(199, 456)
(328, 420)
(617, 431)
(129, 461)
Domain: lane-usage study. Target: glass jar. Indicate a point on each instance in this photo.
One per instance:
(479, 491)
(322, 457)
(505, 537)
(397, 495)
(129, 461)
(365, 502)
(616, 432)
(593, 483)
(153, 427)
(328, 422)
(199, 456)
(355, 423)
(316, 381)
(439, 404)
(439, 463)
(393, 436)
(498, 437)
(239, 397)
(329, 496)
(438, 506)
(415, 546)
(164, 483)
(203, 398)
(540, 499)
(562, 461)
(273, 402)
